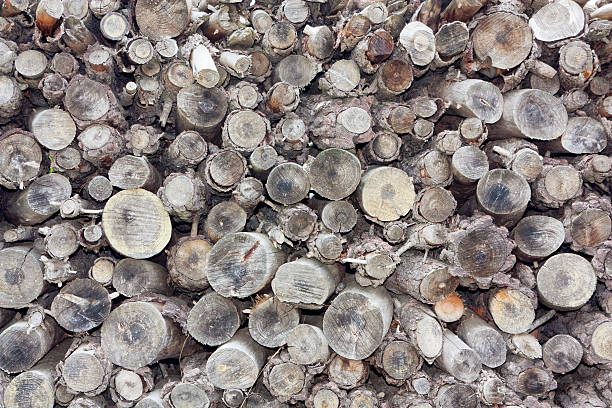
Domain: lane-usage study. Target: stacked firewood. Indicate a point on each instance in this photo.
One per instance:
(319, 203)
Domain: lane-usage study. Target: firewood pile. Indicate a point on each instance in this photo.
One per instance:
(310, 203)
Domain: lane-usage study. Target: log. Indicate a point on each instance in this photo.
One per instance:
(39, 201)
(183, 195)
(538, 237)
(434, 204)
(242, 263)
(384, 148)
(334, 174)
(583, 135)
(102, 270)
(101, 145)
(52, 128)
(319, 42)
(452, 38)
(134, 277)
(244, 130)
(99, 188)
(36, 387)
(397, 359)
(114, 26)
(296, 70)
(575, 65)
(487, 342)
(214, 320)
(355, 332)
(393, 78)
(20, 159)
(285, 380)
(339, 216)
(386, 193)
(566, 281)
(138, 333)
(429, 168)
(557, 21)
(556, 185)
(527, 377)
(504, 37)
(76, 35)
(236, 364)
(204, 69)
(532, 114)
(271, 322)
(512, 311)
(85, 368)
(279, 40)
(187, 395)
(288, 183)
(26, 341)
(11, 98)
(161, 20)
(419, 41)
(449, 309)
(427, 280)
(290, 135)
(90, 102)
(589, 228)
(224, 218)
(307, 345)
(458, 359)
(281, 98)
(248, 193)
(53, 87)
(128, 386)
(236, 64)
(187, 261)
(262, 159)
(30, 65)
(325, 395)
(457, 395)
(61, 240)
(137, 232)
(305, 282)
(346, 373)
(562, 353)
(469, 164)
(21, 279)
(81, 305)
(244, 95)
(223, 170)
(341, 77)
(474, 98)
(503, 194)
(201, 109)
(99, 64)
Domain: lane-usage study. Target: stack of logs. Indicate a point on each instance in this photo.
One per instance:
(319, 203)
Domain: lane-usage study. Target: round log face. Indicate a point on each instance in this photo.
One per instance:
(241, 264)
(353, 326)
(503, 37)
(40, 392)
(137, 232)
(162, 19)
(134, 334)
(566, 281)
